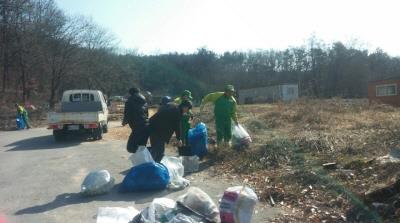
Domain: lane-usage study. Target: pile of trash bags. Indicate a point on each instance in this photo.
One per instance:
(145, 175)
(240, 138)
(148, 175)
(195, 206)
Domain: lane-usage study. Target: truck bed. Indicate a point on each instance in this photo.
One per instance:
(76, 117)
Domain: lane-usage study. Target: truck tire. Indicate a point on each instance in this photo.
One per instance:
(98, 133)
(58, 135)
(105, 128)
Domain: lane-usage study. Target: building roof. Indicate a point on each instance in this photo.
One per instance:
(389, 78)
(274, 85)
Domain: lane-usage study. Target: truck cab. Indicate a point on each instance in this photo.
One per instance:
(81, 112)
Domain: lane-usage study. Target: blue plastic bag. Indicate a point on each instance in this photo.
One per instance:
(20, 122)
(146, 177)
(198, 140)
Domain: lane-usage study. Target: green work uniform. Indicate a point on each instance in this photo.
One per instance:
(185, 126)
(225, 112)
(178, 100)
(21, 111)
(185, 122)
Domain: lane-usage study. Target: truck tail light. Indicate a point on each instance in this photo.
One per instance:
(55, 126)
(90, 126)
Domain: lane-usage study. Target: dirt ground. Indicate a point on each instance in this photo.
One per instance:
(291, 142)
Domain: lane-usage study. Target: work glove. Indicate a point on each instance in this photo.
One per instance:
(179, 143)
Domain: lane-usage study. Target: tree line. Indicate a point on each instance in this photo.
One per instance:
(44, 52)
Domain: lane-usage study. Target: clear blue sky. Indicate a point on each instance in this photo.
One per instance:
(157, 26)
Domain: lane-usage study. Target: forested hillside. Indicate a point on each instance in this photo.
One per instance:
(44, 52)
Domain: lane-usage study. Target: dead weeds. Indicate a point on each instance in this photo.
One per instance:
(292, 141)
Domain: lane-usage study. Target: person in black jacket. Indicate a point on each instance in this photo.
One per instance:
(136, 115)
(163, 124)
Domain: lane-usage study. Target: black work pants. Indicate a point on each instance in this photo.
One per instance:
(157, 148)
(138, 137)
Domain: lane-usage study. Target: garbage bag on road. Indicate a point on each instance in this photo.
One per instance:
(97, 182)
(199, 201)
(156, 211)
(146, 177)
(190, 163)
(165, 210)
(176, 171)
(141, 156)
(240, 137)
(198, 140)
(237, 205)
(116, 214)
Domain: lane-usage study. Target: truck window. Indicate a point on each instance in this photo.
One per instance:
(81, 97)
(75, 97)
(87, 97)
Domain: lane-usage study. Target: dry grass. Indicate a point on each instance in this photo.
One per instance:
(118, 133)
(122, 132)
(292, 141)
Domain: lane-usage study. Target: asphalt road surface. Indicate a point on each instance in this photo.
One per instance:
(40, 179)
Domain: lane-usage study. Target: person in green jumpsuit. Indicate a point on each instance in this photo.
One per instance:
(21, 111)
(185, 96)
(224, 111)
(186, 117)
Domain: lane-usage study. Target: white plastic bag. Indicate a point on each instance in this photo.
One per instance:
(241, 138)
(237, 205)
(190, 163)
(199, 201)
(116, 214)
(156, 210)
(176, 171)
(97, 182)
(141, 156)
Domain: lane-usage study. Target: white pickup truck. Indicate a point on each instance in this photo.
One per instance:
(82, 112)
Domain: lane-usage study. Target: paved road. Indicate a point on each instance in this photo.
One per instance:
(40, 179)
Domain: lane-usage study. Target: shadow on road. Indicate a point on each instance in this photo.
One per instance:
(76, 198)
(41, 142)
(125, 172)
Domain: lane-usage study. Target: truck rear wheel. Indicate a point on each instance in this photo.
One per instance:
(105, 128)
(58, 135)
(98, 133)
